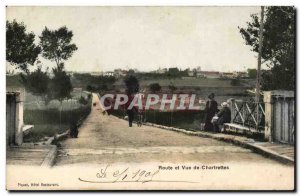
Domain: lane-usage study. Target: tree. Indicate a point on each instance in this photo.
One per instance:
(252, 73)
(20, 48)
(89, 88)
(155, 87)
(56, 44)
(36, 82)
(278, 46)
(60, 86)
(132, 84)
(82, 100)
(173, 72)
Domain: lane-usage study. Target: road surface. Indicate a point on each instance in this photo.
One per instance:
(107, 139)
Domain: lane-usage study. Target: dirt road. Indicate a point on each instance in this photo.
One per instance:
(107, 140)
(104, 138)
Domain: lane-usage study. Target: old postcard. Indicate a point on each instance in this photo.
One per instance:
(150, 98)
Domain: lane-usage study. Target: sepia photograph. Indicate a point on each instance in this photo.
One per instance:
(186, 98)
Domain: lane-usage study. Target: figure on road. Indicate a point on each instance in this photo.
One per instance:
(141, 111)
(73, 129)
(130, 111)
(210, 110)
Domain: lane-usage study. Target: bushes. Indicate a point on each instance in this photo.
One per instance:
(181, 119)
(175, 119)
(51, 116)
(46, 122)
(83, 101)
(235, 82)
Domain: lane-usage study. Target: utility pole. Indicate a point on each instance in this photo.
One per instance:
(258, 76)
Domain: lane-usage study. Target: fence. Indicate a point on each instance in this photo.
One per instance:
(248, 114)
(274, 117)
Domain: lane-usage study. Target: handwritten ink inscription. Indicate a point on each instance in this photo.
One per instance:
(111, 175)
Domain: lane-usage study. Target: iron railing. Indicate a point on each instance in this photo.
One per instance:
(248, 114)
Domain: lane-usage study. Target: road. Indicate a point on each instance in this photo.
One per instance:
(108, 139)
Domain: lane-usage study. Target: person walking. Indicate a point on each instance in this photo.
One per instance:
(130, 111)
(73, 129)
(210, 110)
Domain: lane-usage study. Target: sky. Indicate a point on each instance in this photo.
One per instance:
(147, 38)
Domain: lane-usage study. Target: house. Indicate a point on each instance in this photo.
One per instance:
(96, 73)
(198, 69)
(191, 73)
(229, 75)
(161, 71)
(239, 74)
(120, 73)
(109, 73)
(195, 72)
(208, 74)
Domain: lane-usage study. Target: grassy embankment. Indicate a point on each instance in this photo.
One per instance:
(46, 117)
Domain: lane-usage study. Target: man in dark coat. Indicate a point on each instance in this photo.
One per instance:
(73, 128)
(130, 111)
(210, 110)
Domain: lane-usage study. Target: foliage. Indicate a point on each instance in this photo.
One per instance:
(175, 72)
(82, 100)
(93, 83)
(278, 45)
(60, 84)
(131, 72)
(154, 87)
(36, 82)
(20, 48)
(182, 119)
(252, 73)
(56, 44)
(52, 116)
(45, 121)
(132, 84)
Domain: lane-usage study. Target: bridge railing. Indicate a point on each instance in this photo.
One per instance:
(249, 114)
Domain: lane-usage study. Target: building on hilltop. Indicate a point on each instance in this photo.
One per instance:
(208, 74)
